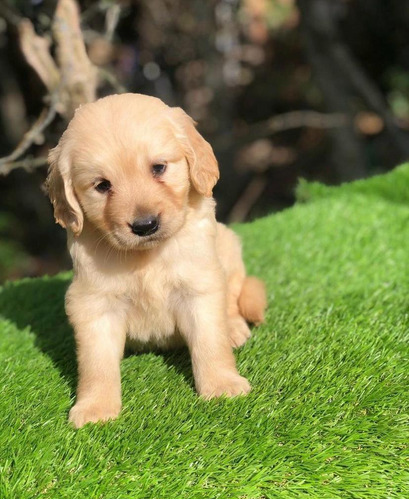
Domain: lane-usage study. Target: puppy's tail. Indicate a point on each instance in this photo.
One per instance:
(253, 300)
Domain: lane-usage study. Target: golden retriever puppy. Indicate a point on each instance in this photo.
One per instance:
(131, 180)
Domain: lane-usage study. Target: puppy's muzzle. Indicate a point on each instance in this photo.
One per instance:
(145, 226)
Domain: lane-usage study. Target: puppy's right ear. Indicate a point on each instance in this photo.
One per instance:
(67, 210)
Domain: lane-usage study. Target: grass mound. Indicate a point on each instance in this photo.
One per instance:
(328, 414)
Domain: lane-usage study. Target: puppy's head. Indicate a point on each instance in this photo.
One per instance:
(126, 165)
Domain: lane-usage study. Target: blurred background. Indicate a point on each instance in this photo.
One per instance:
(282, 89)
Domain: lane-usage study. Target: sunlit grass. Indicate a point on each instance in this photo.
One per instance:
(328, 414)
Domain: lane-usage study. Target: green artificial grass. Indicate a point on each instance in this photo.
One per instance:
(328, 414)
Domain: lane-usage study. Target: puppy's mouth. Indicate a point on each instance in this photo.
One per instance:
(149, 240)
(132, 241)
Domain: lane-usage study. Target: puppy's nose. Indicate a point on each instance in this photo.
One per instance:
(145, 226)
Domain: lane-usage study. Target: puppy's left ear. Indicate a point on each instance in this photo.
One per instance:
(204, 171)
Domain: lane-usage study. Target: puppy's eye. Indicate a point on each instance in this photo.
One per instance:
(158, 169)
(103, 186)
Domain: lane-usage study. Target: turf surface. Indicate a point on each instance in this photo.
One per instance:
(328, 414)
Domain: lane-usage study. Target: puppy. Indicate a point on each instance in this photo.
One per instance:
(131, 180)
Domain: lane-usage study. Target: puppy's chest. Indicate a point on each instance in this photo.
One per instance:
(150, 298)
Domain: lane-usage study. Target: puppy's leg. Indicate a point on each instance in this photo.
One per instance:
(203, 323)
(239, 331)
(229, 252)
(100, 346)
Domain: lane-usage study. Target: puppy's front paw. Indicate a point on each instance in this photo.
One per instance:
(239, 331)
(87, 411)
(228, 384)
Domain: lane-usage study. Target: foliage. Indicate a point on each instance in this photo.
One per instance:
(12, 256)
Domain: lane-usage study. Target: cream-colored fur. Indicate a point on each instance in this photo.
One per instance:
(184, 284)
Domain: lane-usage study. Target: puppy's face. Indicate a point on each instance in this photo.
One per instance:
(131, 179)
(126, 164)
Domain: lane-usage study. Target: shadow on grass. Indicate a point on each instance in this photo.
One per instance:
(180, 361)
(38, 304)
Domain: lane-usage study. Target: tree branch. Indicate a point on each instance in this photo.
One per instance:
(111, 20)
(78, 74)
(296, 119)
(28, 164)
(248, 199)
(36, 50)
(70, 83)
(285, 121)
(29, 138)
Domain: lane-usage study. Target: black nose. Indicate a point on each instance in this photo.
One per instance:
(145, 225)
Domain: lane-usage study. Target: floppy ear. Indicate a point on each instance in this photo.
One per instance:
(204, 171)
(67, 210)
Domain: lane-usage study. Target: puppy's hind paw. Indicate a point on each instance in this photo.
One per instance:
(239, 332)
(87, 411)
